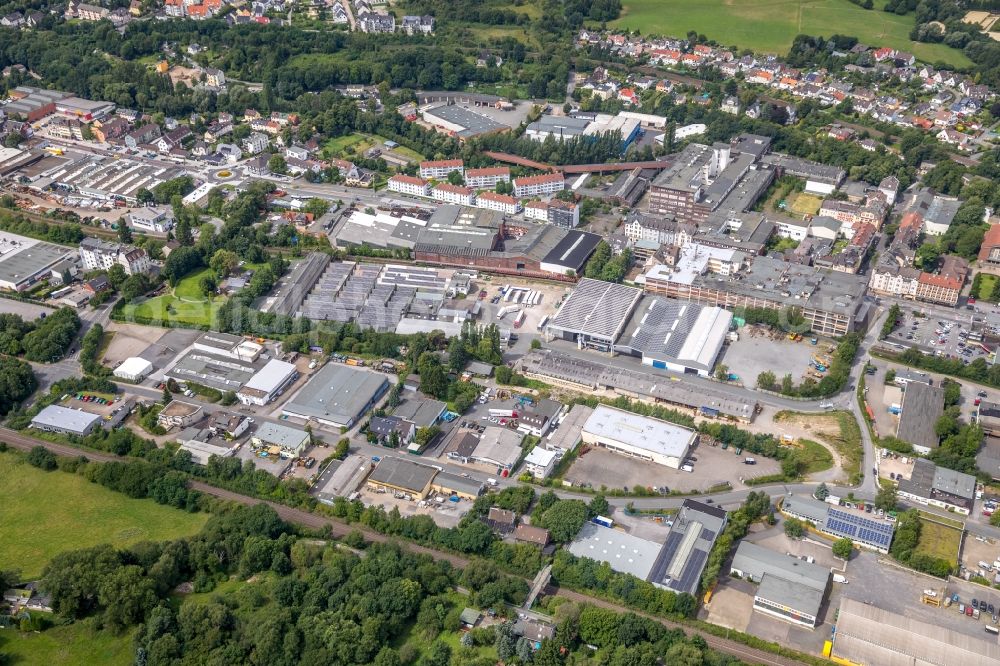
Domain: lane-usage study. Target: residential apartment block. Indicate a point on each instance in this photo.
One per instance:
(486, 178)
(412, 185)
(439, 169)
(102, 255)
(534, 186)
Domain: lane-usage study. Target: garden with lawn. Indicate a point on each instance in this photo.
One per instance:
(184, 305)
(50, 512)
(768, 26)
(939, 540)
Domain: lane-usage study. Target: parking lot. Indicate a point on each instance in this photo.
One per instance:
(25, 310)
(936, 335)
(759, 350)
(712, 466)
(980, 549)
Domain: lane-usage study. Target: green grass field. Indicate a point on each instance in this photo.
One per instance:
(357, 143)
(814, 456)
(803, 204)
(988, 287)
(185, 304)
(771, 25)
(940, 541)
(68, 645)
(45, 513)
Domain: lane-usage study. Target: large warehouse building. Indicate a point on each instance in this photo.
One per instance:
(666, 333)
(338, 395)
(638, 436)
(788, 588)
(270, 382)
(870, 636)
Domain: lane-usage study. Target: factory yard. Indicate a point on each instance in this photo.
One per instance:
(445, 514)
(759, 350)
(713, 466)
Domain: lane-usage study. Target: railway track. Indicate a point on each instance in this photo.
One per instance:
(20, 441)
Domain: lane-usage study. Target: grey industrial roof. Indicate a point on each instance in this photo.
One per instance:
(793, 594)
(922, 406)
(271, 376)
(597, 308)
(681, 331)
(756, 561)
(402, 473)
(460, 484)
(809, 508)
(421, 411)
(337, 392)
(282, 435)
(954, 483)
(623, 552)
(18, 267)
(567, 434)
(219, 372)
(217, 340)
(648, 383)
(870, 635)
(927, 480)
(473, 123)
(687, 171)
(561, 125)
(808, 169)
(679, 564)
(63, 418)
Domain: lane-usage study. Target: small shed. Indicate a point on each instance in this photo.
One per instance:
(470, 617)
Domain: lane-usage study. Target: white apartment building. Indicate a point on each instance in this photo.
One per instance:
(439, 169)
(534, 186)
(789, 227)
(412, 185)
(501, 202)
(486, 178)
(536, 210)
(453, 194)
(102, 255)
(657, 229)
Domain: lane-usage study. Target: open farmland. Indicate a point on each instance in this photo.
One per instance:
(770, 26)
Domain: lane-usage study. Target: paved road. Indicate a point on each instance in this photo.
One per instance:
(340, 529)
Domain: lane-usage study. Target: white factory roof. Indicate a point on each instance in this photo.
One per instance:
(63, 418)
(623, 552)
(133, 367)
(539, 456)
(271, 376)
(640, 432)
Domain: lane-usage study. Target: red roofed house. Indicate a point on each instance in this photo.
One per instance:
(989, 251)
(946, 286)
(501, 202)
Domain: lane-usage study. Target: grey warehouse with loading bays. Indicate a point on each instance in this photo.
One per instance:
(788, 588)
(338, 396)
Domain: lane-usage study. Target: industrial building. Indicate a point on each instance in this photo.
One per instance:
(592, 374)
(864, 531)
(820, 178)
(621, 551)
(922, 406)
(337, 395)
(930, 484)
(291, 441)
(832, 302)
(227, 344)
(268, 383)
(402, 477)
(595, 314)
(871, 636)
(223, 373)
(66, 421)
(202, 452)
(676, 335)
(788, 588)
(100, 179)
(25, 261)
(638, 436)
(460, 122)
(681, 561)
(498, 447)
(133, 369)
(293, 289)
(540, 462)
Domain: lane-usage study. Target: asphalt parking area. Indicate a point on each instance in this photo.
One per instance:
(757, 351)
(712, 466)
(731, 605)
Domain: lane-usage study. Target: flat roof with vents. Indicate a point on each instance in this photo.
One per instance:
(337, 394)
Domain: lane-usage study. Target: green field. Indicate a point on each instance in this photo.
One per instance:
(45, 513)
(184, 304)
(68, 645)
(940, 541)
(987, 287)
(770, 25)
(814, 457)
